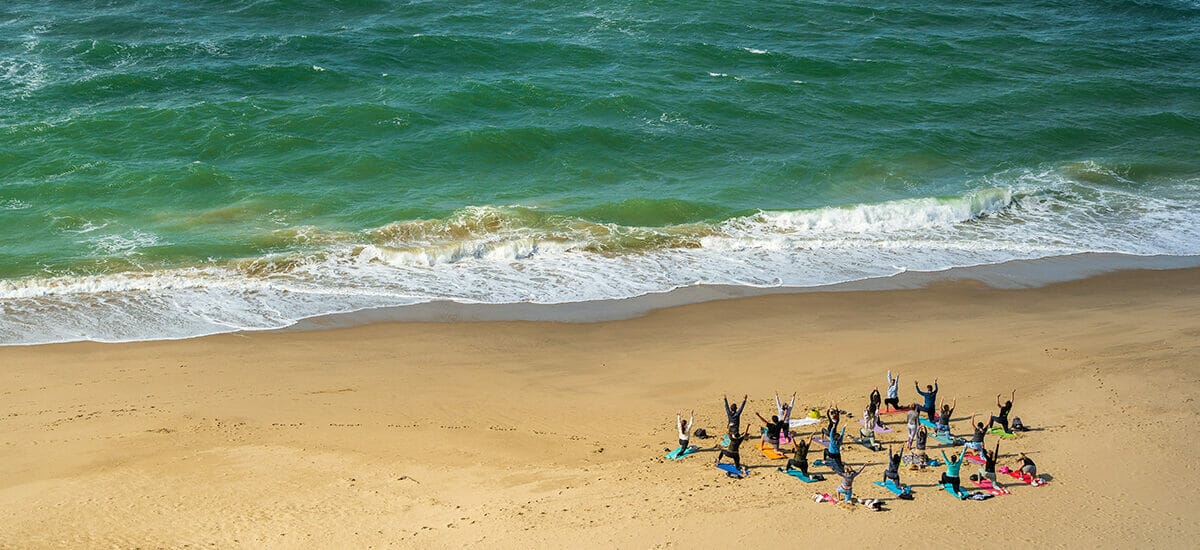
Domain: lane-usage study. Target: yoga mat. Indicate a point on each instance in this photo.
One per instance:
(986, 485)
(997, 430)
(770, 452)
(891, 487)
(731, 470)
(961, 495)
(798, 475)
(675, 454)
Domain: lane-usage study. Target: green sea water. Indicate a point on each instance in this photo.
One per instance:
(176, 168)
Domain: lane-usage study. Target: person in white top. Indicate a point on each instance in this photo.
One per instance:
(784, 411)
(684, 427)
(893, 392)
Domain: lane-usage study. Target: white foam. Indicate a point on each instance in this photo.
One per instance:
(115, 244)
(491, 255)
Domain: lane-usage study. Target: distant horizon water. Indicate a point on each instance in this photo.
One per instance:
(175, 169)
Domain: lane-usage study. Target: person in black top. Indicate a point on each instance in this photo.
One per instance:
(800, 460)
(1004, 409)
(774, 429)
(1027, 466)
(976, 443)
(733, 414)
(988, 471)
(735, 444)
(893, 470)
(834, 416)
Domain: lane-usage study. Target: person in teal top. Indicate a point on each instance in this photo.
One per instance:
(833, 452)
(953, 466)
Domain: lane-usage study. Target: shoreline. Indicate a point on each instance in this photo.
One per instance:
(1012, 274)
(435, 434)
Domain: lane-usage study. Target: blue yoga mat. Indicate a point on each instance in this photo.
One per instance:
(730, 469)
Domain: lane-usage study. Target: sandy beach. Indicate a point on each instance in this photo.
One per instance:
(508, 434)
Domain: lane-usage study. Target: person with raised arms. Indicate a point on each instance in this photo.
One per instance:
(733, 451)
(893, 391)
(930, 398)
(1004, 410)
(988, 470)
(976, 443)
(922, 441)
(834, 416)
(784, 410)
(775, 427)
(873, 404)
(943, 423)
(893, 470)
(833, 452)
(799, 461)
(683, 427)
(733, 414)
(953, 466)
(846, 489)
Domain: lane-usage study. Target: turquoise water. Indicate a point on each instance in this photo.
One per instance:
(170, 169)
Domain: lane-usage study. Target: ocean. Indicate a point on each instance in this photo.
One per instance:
(175, 169)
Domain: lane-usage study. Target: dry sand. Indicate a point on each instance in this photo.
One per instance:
(518, 433)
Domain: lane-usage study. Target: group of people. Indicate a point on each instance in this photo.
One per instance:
(776, 431)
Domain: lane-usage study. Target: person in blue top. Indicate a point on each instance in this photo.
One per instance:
(930, 398)
(833, 452)
(953, 466)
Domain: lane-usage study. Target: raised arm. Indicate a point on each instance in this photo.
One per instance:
(744, 399)
(778, 405)
(935, 385)
(998, 400)
(760, 417)
(1013, 397)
